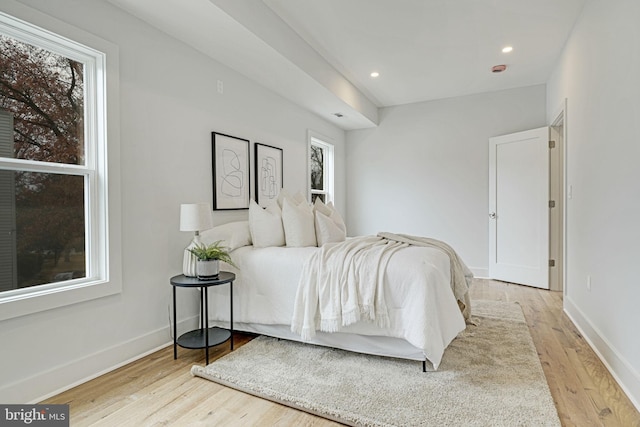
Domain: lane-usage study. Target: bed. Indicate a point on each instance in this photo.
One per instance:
(424, 313)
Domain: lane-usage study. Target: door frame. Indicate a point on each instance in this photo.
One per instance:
(560, 117)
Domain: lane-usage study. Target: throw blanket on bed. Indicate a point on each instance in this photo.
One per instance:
(341, 284)
(461, 276)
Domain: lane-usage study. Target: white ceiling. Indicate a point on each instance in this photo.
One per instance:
(430, 49)
(319, 54)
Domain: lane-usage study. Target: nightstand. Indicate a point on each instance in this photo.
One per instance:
(198, 338)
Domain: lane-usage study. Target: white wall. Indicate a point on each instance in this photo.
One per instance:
(424, 169)
(168, 107)
(599, 74)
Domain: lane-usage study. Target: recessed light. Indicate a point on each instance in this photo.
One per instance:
(375, 74)
(507, 49)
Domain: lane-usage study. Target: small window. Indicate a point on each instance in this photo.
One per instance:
(320, 169)
(52, 165)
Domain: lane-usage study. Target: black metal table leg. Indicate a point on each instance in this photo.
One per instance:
(206, 323)
(175, 327)
(201, 308)
(231, 313)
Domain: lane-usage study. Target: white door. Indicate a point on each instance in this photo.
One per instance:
(519, 208)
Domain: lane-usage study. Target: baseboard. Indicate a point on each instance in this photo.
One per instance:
(480, 273)
(621, 370)
(63, 377)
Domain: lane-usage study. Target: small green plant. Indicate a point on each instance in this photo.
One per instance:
(212, 252)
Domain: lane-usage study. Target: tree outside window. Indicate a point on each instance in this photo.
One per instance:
(317, 173)
(321, 170)
(43, 224)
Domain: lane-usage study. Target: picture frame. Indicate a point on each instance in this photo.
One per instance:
(230, 170)
(268, 164)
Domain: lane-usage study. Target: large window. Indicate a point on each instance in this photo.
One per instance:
(52, 161)
(320, 169)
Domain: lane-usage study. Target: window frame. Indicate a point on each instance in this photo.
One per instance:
(103, 274)
(321, 141)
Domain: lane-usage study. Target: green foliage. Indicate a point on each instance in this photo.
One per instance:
(212, 252)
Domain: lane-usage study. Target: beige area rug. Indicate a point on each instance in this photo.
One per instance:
(490, 376)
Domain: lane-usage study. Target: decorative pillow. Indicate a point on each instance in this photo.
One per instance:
(299, 228)
(296, 199)
(234, 235)
(319, 206)
(328, 222)
(337, 218)
(283, 194)
(330, 210)
(266, 225)
(327, 230)
(299, 198)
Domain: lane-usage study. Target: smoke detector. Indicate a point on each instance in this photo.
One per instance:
(498, 68)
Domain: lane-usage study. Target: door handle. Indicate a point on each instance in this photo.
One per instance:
(492, 215)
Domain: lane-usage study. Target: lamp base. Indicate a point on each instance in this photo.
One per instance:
(189, 259)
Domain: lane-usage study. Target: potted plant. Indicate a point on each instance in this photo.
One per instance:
(209, 257)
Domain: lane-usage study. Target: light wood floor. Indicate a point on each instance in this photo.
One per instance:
(157, 390)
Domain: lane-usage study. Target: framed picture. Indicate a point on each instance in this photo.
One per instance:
(268, 173)
(230, 162)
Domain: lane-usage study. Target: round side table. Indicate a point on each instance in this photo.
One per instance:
(203, 337)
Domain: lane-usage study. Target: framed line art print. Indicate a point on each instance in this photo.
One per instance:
(230, 164)
(268, 173)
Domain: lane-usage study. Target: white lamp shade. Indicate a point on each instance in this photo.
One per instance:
(195, 217)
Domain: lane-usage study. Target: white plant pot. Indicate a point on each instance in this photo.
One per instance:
(207, 269)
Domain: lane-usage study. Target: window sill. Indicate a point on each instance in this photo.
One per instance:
(13, 306)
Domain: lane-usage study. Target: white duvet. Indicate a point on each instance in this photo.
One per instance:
(420, 303)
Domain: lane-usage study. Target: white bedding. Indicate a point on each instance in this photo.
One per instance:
(424, 316)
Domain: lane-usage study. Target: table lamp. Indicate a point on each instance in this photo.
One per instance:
(194, 217)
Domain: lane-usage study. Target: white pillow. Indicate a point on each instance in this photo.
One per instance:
(319, 206)
(283, 194)
(299, 198)
(296, 199)
(234, 235)
(337, 218)
(298, 221)
(327, 230)
(266, 225)
(330, 211)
